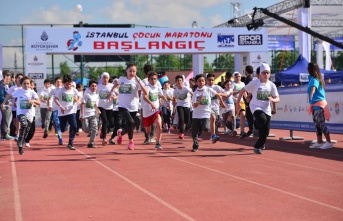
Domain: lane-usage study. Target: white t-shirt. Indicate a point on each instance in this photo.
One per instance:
(168, 93)
(10, 91)
(260, 93)
(230, 103)
(214, 100)
(128, 94)
(45, 93)
(66, 99)
(237, 87)
(115, 101)
(52, 96)
(183, 96)
(23, 105)
(90, 100)
(104, 91)
(203, 110)
(153, 95)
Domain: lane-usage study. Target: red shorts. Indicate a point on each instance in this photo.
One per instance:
(148, 121)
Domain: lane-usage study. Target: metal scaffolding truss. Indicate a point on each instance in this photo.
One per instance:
(318, 23)
(281, 8)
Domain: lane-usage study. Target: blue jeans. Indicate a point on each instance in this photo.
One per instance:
(57, 124)
(71, 119)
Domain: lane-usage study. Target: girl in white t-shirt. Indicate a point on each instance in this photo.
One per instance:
(228, 113)
(33, 124)
(263, 93)
(167, 106)
(89, 112)
(151, 106)
(128, 102)
(105, 105)
(25, 98)
(181, 103)
(66, 99)
(202, 109)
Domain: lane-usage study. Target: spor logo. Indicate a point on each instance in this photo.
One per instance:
(250, 40)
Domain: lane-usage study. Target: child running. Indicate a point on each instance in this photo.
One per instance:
(66, 99)
(128, 99)
(202, 110)
(25, 98)
(228, 113)
(89, 112)
(150, 105)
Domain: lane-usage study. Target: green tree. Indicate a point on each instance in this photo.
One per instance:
(167, 63)
(282, 59)
(64, 68)
(207, 66)
(338, 61)
(224, 62)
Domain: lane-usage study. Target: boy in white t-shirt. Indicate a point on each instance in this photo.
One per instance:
(237, 86)
(66, 99)
(25, 98)
(45, 112)
(150, 106)
(202, 110)
(89, 112)
(167, 106)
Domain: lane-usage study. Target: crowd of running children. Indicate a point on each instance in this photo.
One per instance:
(115, 106)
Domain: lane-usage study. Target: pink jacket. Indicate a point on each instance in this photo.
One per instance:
(323, 104)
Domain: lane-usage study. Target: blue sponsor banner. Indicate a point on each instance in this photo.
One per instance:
(304, 126)
(281, 42)
(334, 48)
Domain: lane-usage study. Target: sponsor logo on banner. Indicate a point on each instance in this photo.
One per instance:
(75, 42)
(36, 75)
(225, 40)
(35, 62)
(250, 40)
(44, 45)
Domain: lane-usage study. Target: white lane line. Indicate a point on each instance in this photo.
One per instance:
(17, 205)
(158, 199)
(255, 183)
(299, 165)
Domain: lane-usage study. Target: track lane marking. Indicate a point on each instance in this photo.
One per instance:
(17, 204)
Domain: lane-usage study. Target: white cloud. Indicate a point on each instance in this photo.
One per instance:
(56, 15)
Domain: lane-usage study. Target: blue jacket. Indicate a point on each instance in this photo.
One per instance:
(3, 93)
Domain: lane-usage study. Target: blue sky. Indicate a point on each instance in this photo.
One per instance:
(161, 13)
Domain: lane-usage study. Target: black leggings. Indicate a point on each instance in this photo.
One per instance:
(183, 113)
(105, 116)
(129, 118)
(262, 123)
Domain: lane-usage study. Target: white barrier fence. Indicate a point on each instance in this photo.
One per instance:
(292, 109)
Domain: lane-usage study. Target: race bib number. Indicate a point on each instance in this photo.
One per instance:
(263, 95)
(90, 104)
(182, 96)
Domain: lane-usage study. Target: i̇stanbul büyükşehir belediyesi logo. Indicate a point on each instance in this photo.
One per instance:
(74, 43)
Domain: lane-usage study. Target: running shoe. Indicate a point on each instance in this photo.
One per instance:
(326, 145)
(120, 138)
(214, 138)
(158, 146)
(182, 136)
(131, 145)
(104, 142)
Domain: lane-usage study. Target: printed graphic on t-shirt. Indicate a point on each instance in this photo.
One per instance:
(204, 101)
(115, 101)
(125, 89)
(67, 97)
(45, 97)
(24, 104)
(263, 95)
(182, 96)
(214, 97)
(104, 94)
(90, 104)
(153, 96)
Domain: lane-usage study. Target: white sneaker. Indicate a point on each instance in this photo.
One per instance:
(326, 145)
(228, 132)
(316, 145)
(27, 145)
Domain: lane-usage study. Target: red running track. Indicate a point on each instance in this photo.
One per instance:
(222, 181)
